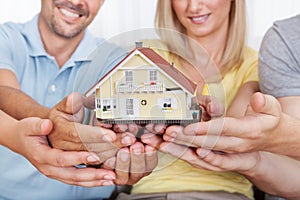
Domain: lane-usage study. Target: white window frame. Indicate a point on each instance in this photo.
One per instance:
(129, 106)
(153, 76)
(129, 76)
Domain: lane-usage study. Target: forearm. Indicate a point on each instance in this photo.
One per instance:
(19, 105)
(276, 175)
(7, 124)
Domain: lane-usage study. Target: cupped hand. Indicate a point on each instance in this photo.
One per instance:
(68, 131)
(31, 142)
(211, 160)
(252, 132)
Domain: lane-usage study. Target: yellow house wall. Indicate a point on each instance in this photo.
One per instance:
(154, 110)
(141, 76)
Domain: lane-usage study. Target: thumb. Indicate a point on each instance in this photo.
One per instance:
(70, 104)
(36, 126)
(266, 104)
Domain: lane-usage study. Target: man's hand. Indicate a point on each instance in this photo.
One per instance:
(210, 160)
(253, 132)
(31, 142)
(68, 132)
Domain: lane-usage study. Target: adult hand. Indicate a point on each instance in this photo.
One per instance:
(31, 142)
(133, 163)
(253, 132)
(68, 132)
(210, 160)
(211, 107)
(131, 160)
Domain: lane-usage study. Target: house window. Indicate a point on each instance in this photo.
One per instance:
(167, 103)
(128, 76)
(152, 76)
(114, 104)
(98, 103)
(106, 105)
(129, 107)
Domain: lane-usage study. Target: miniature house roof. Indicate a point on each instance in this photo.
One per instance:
(152, 57)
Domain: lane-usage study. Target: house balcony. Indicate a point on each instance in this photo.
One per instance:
(141, 88)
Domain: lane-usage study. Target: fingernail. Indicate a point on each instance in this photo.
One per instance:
(108, 183)
(92, 159)
(137, 151)
(203, 153)
(109, 177)
(168, 138)
(124, 156)
(173, 134)
(149, 150)
(107, 138)
(126, 140)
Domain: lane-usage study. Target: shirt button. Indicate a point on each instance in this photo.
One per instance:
(53, 88)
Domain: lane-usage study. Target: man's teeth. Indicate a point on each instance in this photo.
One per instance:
(68, 13)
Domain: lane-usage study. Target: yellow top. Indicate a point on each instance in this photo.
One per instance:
(175, 175)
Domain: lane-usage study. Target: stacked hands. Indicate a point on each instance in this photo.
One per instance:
(218, 144)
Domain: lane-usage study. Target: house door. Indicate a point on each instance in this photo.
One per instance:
(130, 107)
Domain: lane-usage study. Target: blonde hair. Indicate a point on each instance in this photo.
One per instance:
(166, 19)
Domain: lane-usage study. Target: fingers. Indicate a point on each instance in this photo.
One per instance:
(175, 134)
(87, 177)
(89, 134)
(151, 158)
(227, 144)
(89, 102)
(186, 154)
(36, 126)
(70, 104)
(137, 163)
(124, 139)
(151, 140)
(60, 158)
(156, 128)
(212, 106)
(122, 166)
(230, 162)
(265, 104)
(110, 163)
(121, 128)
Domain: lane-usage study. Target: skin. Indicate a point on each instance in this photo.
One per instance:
(62, 24)
(234, 142)
(262, 127)
(29, 135)
(207, 23)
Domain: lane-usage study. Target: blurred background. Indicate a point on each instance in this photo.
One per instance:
(117, 16)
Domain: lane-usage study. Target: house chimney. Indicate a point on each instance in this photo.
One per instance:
(138, 44)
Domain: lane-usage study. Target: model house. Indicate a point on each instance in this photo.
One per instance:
(145, 88)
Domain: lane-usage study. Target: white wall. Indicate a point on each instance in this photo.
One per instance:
(262, 13)
(119, 16)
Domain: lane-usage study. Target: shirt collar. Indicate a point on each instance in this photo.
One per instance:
(36, 47)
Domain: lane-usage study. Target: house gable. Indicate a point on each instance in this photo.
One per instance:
(147, 58)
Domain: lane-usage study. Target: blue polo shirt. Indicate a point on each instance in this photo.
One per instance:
(22, 52)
